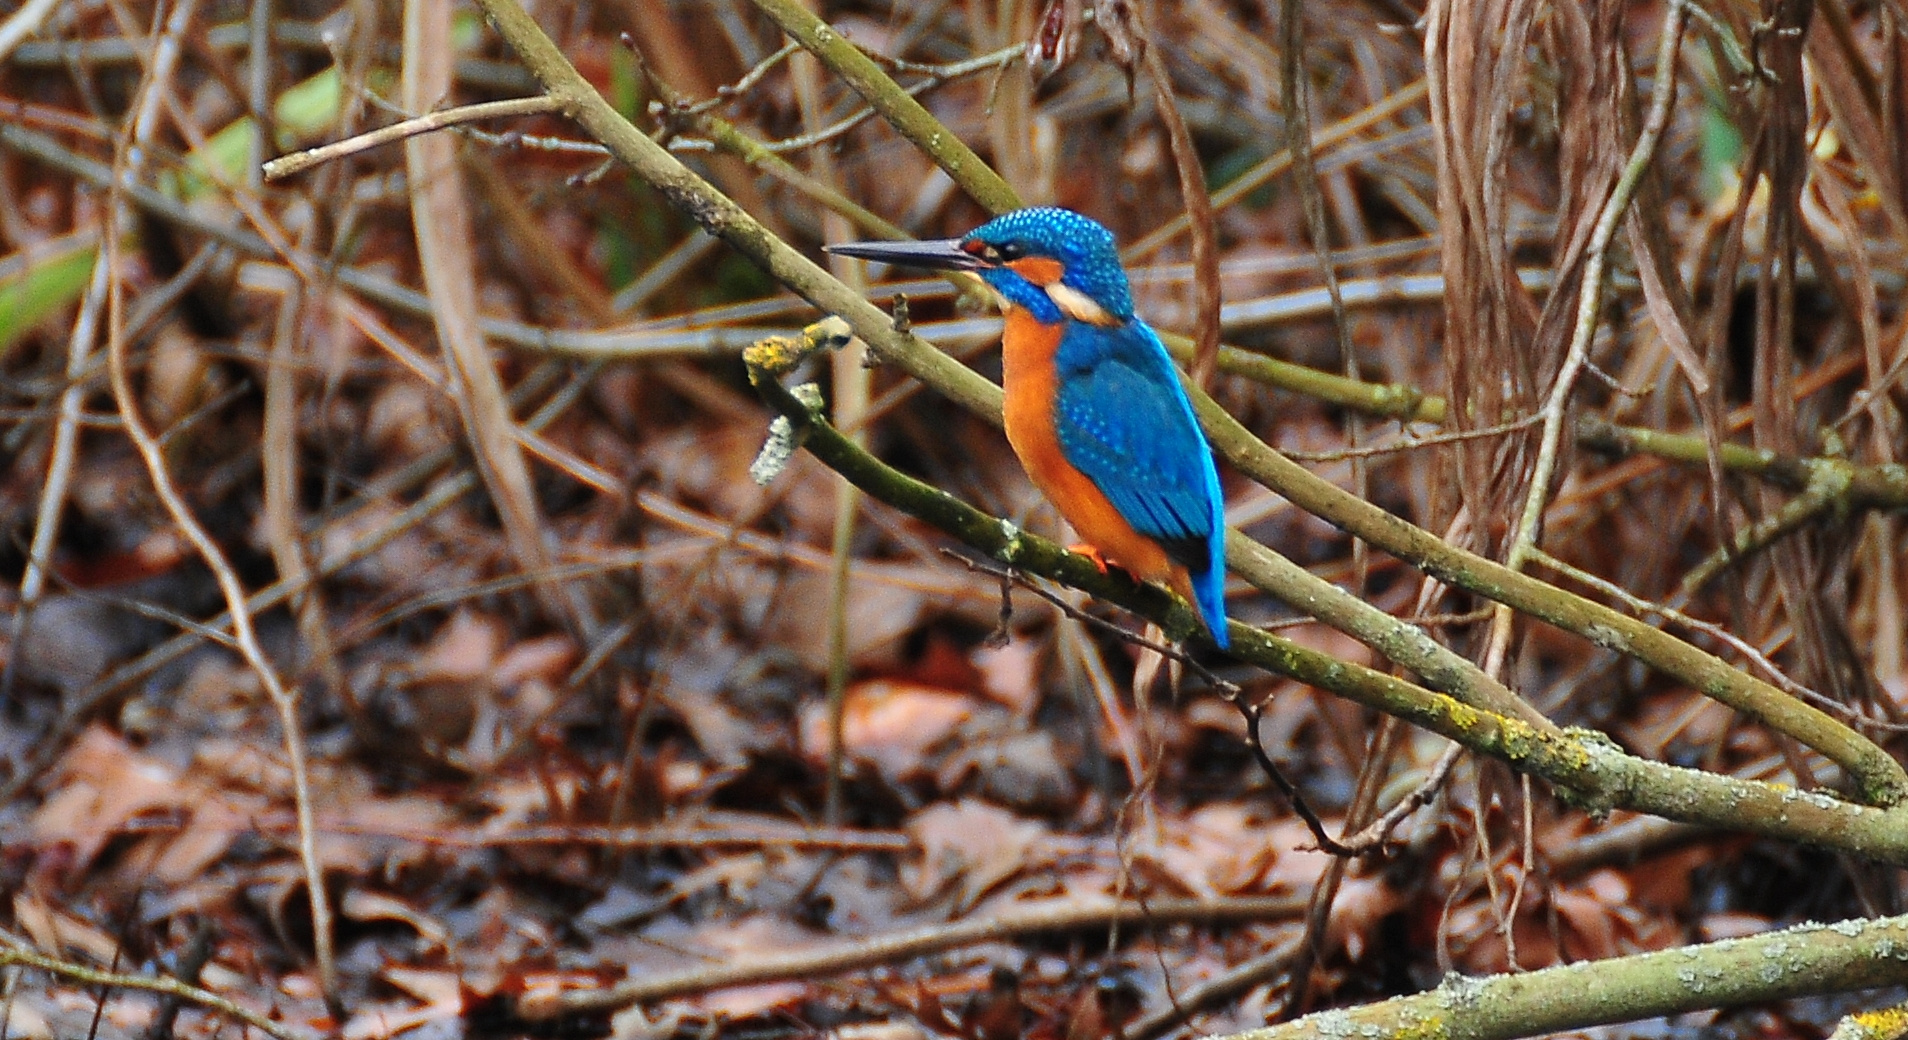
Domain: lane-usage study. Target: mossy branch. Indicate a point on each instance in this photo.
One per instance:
(1399, 641)
(1823, 486)
(1878, 777)
(1854, 486)
(1384, 400)
(1805, 960)
(1876, 774)
(1584, 767)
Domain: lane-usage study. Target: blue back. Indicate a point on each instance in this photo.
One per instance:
(1124, 420)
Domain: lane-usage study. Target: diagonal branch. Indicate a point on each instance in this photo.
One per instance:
(1808, 959)
(1878, 777)
(1583, 767)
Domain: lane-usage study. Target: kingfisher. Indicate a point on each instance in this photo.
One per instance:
(1094, 407)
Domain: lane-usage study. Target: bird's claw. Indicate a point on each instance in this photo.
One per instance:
(1091, 553)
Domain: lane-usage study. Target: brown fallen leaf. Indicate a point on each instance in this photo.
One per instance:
(58, 932)
(889, 724)
(361, 905)
(102, 783)
(1011, 674)
(1217, 850)
(969, 845)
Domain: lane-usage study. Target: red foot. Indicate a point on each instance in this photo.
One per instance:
(1091, 553)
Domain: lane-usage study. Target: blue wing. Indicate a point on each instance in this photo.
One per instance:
(1123, 419)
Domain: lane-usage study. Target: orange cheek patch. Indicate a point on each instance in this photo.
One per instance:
(1038, 269)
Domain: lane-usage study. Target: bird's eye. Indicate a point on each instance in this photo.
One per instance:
(982, 251)
(1011, 251)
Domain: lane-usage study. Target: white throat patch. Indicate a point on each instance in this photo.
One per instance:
(1078, 305)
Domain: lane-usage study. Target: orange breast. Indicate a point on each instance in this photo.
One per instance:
(1031, 380)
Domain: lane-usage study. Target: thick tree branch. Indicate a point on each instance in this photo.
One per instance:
(1584, 767)
(1804, 960)
(1879, 778)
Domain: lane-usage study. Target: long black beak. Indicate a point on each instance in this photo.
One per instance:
(944, 254)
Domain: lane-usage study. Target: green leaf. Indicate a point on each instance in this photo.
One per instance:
(35, 286)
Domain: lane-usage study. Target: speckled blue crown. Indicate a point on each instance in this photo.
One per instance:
(1084, 248)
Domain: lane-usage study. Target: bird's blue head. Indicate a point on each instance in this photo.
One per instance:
(1049, 260)
(1052, 262)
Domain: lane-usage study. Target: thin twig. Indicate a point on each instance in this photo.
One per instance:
(298, 162)
(996, 59)
(1380, 829)
(1225, 986)
(15, 955)
(1166, 650)
(283, 699)
(1313, 823)
(730, 91)
(1414, 443)
(24, 23)
(867, 951)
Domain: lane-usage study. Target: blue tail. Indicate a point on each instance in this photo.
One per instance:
(1209, 587)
